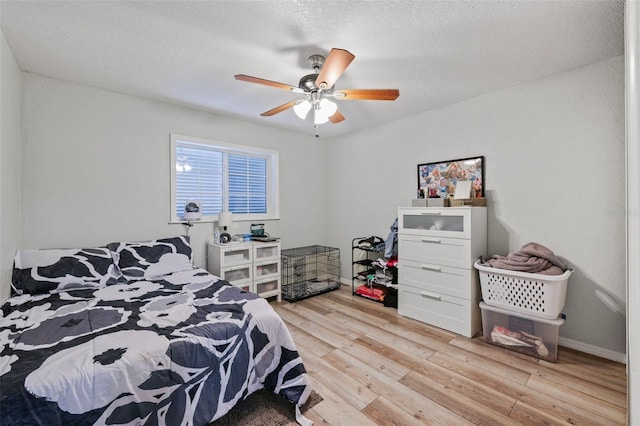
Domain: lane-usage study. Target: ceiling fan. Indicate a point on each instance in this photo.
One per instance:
(318, 88)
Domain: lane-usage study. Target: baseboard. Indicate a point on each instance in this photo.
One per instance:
(593, 350)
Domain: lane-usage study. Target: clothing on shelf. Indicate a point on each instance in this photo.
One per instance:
(391, 243)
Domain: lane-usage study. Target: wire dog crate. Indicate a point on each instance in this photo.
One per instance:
(307, 271)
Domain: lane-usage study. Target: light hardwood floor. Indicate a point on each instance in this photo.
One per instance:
(373, 366)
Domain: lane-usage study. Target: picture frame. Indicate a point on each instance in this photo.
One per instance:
(439, 179)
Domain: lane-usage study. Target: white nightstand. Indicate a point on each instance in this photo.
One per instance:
(251, 265)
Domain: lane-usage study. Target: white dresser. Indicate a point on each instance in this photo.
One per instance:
(437, 283)
(251, 265)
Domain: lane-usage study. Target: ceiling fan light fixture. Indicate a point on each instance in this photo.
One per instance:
(302, 109)
(328, 106)
(323, 110)
(319, 117)
(319, 87)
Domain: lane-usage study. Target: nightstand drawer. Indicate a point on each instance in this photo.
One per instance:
(435, 278)
(237, 255)
(268, 287)
(266, 251)
(243, 284)
(234, 274)
(436, 250)
(444, 311)
(266, 269)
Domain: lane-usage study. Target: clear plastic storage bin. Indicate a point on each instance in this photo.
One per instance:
(539, 295)
(521, 333)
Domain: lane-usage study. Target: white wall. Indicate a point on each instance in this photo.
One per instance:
(10, 87)
(96, 169)
(555, 160)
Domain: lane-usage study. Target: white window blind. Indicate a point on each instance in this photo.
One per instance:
(223, 177)
(199, 177)
(247, 184)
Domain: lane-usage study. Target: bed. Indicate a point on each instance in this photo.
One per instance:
(133, 333)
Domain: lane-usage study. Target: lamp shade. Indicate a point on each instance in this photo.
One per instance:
(323, 111)
(328, 107)
(225, 219)
(302, 109)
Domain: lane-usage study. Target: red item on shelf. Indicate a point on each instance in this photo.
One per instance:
(371, 293)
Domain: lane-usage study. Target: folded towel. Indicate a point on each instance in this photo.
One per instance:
(532, 258)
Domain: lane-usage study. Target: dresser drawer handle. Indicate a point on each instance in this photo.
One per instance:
(431, 213)
(430, 240)
(431, 268)
(433, 296)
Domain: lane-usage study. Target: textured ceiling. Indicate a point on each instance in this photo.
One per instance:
(435, 52)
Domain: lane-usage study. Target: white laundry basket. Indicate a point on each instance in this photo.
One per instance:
(538, 295)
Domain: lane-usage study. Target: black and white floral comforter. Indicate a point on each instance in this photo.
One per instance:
(182, 349)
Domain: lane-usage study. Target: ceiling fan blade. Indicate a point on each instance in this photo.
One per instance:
(368, 94)
(336, 118)
(250, 79)
(279, 109)
(335, 64)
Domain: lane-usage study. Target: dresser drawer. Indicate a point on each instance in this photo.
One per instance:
(441, 310)
(436, 250)
(436, 278)
(449, 222)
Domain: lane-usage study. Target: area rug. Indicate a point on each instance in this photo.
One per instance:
(264, 408)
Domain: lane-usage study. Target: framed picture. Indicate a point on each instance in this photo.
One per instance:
(440, 179)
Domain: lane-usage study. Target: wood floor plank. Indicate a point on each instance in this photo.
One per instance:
(317, 346)
(486, 367)
(385, 412)
(390, 368)
(350, 390)
(373, 366)
(530, 416)
(580, 359)
(579, 399)
(325, 320)
(421, 335)
(480, 392)
(383, 335)
(365, 313)
(477, 371)
(486, 396)
(460, 404)
(402, 396)
(586, 387)
(321, 330)
(334, 411)
(603, 372)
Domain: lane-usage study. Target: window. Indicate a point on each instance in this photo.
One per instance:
(223, 177)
